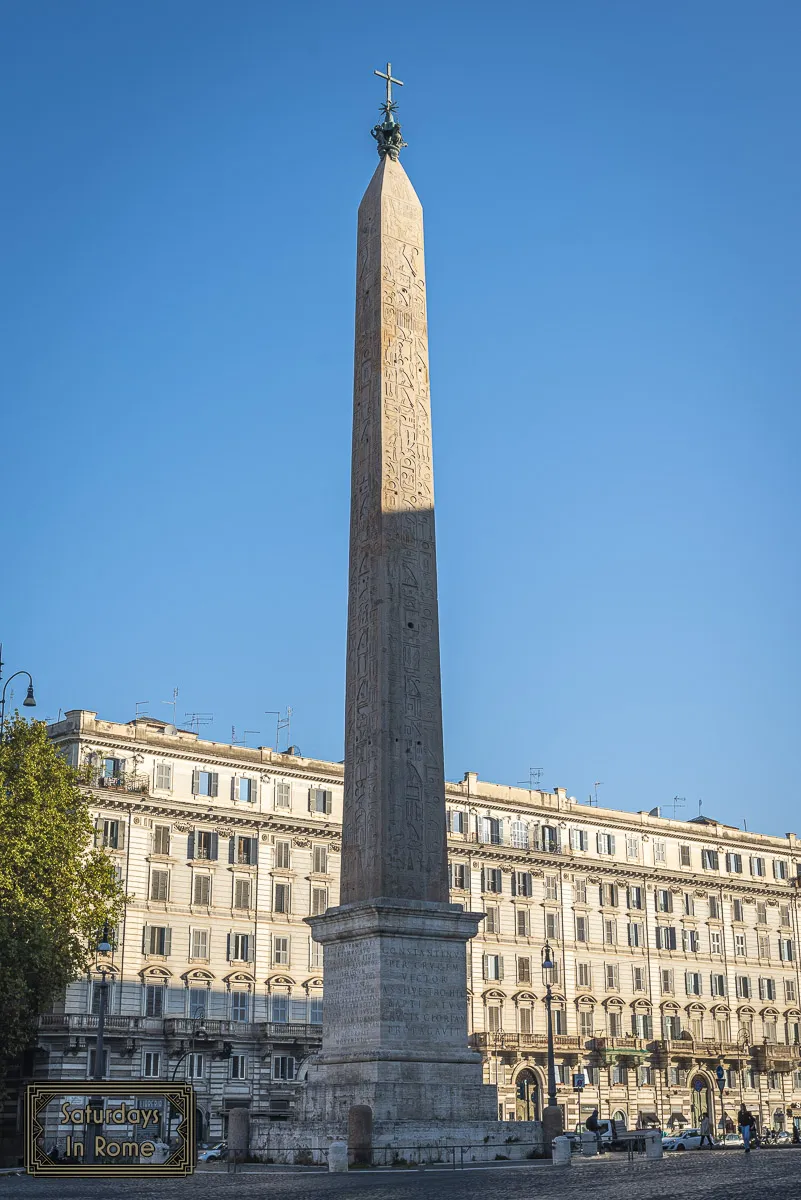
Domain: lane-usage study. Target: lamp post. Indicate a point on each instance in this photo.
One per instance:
(95, 1129)
(28, 702)
(196, 1033)
(552, 1116)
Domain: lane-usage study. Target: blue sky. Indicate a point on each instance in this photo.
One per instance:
(611, 194)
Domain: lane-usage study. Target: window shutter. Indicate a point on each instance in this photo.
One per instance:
(190, 849)
(311, 799)
(500, 966)
(234, 788)
(328, 801)
(514, 883)
(228, 947)
(599, 843)
(232, 849)
(484, 964)
(146, 939)
(120, 835)
(214, 783)
(214, 854)
(195, 782)
(611, 843)
(483, 880)
(254, 790)
(167, 940)
(254, 850)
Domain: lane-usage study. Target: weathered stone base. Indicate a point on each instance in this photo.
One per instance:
(393, 1141)
(395, 1016)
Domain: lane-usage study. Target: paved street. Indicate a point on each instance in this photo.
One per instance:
(722, 1175)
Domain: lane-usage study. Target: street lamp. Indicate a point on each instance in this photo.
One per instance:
(198, 1031)
(28, 702)
(103, 947)
(552, 1116)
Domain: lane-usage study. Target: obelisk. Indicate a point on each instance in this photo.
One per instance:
(395, 995)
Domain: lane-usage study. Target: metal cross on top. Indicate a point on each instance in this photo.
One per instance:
(388, 105)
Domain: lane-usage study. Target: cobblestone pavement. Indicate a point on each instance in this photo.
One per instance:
(721, 1175)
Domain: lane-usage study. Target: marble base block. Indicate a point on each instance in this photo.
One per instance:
(395, 1015)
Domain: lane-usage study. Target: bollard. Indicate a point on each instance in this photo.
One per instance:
(653, 1143)
(561, 1151)
(338, 1156)
(589, 1144)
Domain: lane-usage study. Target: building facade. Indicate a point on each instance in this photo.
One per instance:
(675, 942)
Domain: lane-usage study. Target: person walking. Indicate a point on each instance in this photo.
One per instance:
(746, 1124)
(705, 1132)
(592, 1124)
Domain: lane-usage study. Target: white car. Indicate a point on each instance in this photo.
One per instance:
(688, 1139)
(214, 1153)
(734, 1139)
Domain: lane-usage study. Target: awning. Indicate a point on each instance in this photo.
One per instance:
(677, 1118)
(649, 1117)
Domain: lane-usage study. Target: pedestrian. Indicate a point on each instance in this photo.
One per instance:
(592, 1124)
(746, 1125)
(705, 1132)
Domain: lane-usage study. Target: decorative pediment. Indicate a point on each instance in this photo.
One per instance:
(196, 975)
(746, 1010)
(770, 1011)
(641, 1004)
(696, 1009)
(155, 974)
(239, 977)
(720, 1010)
(493, 994)
(613, 1002)
(669, 1006)
(279, 981)
(586, 1000)
(524, 996)
(314, 982)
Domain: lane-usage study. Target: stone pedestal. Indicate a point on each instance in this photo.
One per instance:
(395, 1016)
(551, 1125)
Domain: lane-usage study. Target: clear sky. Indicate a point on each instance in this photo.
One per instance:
(612, 193)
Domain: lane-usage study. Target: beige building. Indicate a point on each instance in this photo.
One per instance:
(676, 942)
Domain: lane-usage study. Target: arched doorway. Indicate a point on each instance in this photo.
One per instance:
(701, 1100)
(527, 1096)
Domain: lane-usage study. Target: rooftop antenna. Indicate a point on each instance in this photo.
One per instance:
(281, 723)
(598, 783)
(173, 702)
(700, 802)
(243, 741)
(141, 704)
(676, 802)
(196, 719)
(534, 776)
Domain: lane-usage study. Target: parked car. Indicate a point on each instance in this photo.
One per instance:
(733, 1139)
(688, 1139)
(214, 1153)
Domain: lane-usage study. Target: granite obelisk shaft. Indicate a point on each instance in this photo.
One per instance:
(394, 809)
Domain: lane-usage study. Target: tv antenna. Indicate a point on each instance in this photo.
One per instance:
(594, 801)
(676, 802)
(243, 741)
(281, 723)
(174, 703)
(534, 776)
(141, 704)
(194, 720)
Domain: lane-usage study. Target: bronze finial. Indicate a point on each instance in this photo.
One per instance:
(388, 132)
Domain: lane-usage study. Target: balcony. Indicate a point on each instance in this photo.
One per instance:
(77, 1024)
(489, 1042)
(627, 1051)
(664, 1049)
(124, 782)
(776, 1056)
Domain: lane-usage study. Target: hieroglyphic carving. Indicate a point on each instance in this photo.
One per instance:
(394, 811)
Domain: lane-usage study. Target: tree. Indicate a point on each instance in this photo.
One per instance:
(56, 890)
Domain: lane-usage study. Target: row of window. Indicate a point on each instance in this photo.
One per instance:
(240, 947)
(197, 1066)
(527, 835)
(242, 894)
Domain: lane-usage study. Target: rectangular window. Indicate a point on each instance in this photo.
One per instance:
(615, 1026)
(154, 1000)
(205, 783)
(714, 907)
(458, 876)
(665, 937)
(605, 843)
(281, 951)
(279, 1008)
(245, 790)
(281, 897)
(200, 943)
(763, 945)
(689, 904)
(786, 950)
(742, 986)
(315, 954)
(523, 885)
(239, 947)
(523, 922)
(784, 914)
(241, 893)
(761, 912)
(609, 895)
(666, 981)
(239, 1067)
(240, 1006)
(194, 1066)
(524, 970)
(549, 839)
(579, 839)
(734, 864)
(198, 1001)
(113, 768)
(246, 851)
(205, 844)
(282, 855)
(685, 856)
(201, 890)
(493, 880)
(114, 835)
(715, 946)
(552, 926)
(156, 940)
(664, 900)
(757, 867)
(551, 887)
(320, 800)
(611, 976)
(737, 910)
(581, 929)
(151, 1065)
(692, 983)
(319, 900)
(586, 1023)
(632, 847)
(710, 860)
(780, 869)
(164, 776)
(635, 933)
(456, 820)
(493, 966)
(638, 979)
(283, 1066)
(525, 1019)
(635, 897)
(161, 839)
(283, 795)
(659, 850)
(493, 1018)
(320, 860)
(159, 885)
(580, 891)
(584, 974)
(316, 1010)
(520, 835)
(739, 945)
(610, 931)
(790, 991)
(492, 923)
(718, 984)
(690, 942)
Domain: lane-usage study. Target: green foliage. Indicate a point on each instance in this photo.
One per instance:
(56, 890)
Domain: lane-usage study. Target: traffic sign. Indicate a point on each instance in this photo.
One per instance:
(579, 1081)
(721, 1074)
